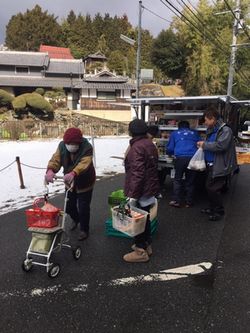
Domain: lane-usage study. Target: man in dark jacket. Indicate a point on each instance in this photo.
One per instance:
(75, 155)
(183, 145)
(141, 183)
(220, 157)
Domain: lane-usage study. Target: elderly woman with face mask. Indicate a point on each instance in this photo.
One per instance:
(75, 155)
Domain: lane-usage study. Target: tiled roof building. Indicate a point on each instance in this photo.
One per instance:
(22, 72)
(55, 52)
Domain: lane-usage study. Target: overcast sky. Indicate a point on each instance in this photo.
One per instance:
(61, 8)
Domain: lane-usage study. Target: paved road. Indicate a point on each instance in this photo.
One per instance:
(85, 298)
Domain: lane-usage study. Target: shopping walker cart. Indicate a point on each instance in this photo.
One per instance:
(48, 236)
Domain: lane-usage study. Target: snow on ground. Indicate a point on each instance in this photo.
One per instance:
(35, 155)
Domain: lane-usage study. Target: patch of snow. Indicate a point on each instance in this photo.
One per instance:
(34, 156)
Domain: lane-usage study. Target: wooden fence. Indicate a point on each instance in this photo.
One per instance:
(22, 130)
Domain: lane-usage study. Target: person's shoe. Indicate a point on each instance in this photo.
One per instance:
(174, 204)
(73, 225)
(148, 249)
(189, 204)
(83, 235)
(139, 255)
(215, 217)
(207, 211)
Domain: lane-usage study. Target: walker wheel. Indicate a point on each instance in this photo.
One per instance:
(27, 265)
(77, 252)
(54, 270)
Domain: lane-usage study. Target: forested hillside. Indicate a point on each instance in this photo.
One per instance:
(195, 47)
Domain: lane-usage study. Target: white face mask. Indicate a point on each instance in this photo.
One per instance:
(72, 148)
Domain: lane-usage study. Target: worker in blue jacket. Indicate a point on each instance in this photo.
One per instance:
(183, 145)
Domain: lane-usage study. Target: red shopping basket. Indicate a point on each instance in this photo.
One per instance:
(39, 218)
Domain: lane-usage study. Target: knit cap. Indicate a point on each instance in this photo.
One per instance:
(138, 127)
(72, 135)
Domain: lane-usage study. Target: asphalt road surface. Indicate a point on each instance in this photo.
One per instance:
(101, 293)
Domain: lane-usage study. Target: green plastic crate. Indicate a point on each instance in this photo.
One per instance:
(110, 231)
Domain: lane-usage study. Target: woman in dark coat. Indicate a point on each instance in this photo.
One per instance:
(141, 184)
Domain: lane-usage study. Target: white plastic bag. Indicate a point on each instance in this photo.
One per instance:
(197, 162)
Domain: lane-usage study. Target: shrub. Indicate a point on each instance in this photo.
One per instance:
(40, 91)
(56, 97)
(38, 102)
(19, 102)
(4, 134)
(23, 136)
(5, 97)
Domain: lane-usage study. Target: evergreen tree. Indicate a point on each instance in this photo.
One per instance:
(168, 54)
(206, 56)
(146, 47)
(117, 62)
(102, 45)
(25, 32)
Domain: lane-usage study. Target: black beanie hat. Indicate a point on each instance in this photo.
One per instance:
(138, 127)
(153, 130)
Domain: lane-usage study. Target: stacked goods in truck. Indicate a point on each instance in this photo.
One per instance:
(243, 158)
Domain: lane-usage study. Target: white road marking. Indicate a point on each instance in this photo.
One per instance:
(165, 275)
(40, 292)
(80, 287)
(43, 291)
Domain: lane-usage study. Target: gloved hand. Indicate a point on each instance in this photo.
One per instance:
(132, 202)
(69, 177)
(49, 177)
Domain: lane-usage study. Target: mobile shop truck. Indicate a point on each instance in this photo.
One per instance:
(166, 112)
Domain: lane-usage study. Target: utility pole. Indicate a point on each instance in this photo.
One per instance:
(138, 58)
(233, 51)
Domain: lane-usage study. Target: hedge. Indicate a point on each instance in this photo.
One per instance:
(34, 100)
(40, 91)
(5, 97)
(19, 102)
(38, 102)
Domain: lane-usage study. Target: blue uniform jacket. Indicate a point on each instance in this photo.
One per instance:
(182, 142)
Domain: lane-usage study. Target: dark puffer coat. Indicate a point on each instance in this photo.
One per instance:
(141, 169)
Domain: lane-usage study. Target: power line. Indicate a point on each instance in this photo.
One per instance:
(201, 22)
(191, 4)
(215, 4)
(195, 27)
(156, 14)
(238, 21)
(173, 9)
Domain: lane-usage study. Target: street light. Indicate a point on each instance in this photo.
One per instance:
(127, 39)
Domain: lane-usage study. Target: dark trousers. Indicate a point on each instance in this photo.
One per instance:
(144, 239)
(181, 164)
(162, 176)
(78, 208)
(214, 187)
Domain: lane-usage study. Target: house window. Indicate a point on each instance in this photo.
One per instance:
(106, 95)
(22, 70)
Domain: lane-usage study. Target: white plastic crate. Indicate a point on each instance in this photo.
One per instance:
(129, 225)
